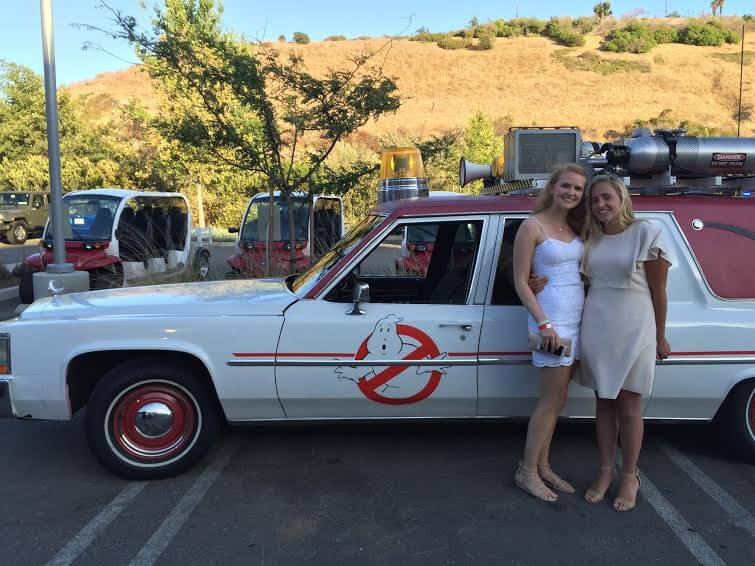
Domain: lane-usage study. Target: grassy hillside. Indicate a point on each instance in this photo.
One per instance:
(521, 81)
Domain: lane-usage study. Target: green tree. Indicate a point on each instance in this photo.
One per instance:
(602, 10)
(88, 159)
(250, 107)
(300, 37)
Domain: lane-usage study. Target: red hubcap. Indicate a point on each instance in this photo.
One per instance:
(153, 422)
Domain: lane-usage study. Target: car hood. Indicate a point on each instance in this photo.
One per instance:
(213, 298)
(11, 210)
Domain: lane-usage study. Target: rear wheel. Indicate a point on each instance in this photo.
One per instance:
(202, 266)
(148, 418)
(737, 420)
(26, 287)
(18, 232)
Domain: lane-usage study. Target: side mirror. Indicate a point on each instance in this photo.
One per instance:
(360, 293)
(233, 229)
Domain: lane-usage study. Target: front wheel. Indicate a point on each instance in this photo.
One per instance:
(149, 419)
(18, 232)
(736, 420)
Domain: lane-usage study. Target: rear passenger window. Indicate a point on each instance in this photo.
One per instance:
(504, 292)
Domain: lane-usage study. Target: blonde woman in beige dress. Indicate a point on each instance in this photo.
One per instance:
(623, 331)
(548, 244)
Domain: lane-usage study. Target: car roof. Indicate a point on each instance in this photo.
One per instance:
(124, 193)
(724, 247)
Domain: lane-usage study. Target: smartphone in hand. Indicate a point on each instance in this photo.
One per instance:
(563, 350)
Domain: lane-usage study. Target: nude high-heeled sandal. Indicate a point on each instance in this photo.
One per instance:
(622, 504)
(594, 496)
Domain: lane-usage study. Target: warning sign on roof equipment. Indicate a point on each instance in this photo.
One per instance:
(726, 160)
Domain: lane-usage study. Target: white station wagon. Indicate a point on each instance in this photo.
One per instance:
(378, 328)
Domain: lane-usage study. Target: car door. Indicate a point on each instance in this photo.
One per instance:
(409, 351)
(509, 384)
(38, 214)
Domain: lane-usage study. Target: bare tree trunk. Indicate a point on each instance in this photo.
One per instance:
(270, 232)
(291, 233)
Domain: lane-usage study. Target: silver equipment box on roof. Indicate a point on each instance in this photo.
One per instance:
(532, 153)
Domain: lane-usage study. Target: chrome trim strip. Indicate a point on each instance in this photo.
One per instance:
(468, 418)
(519, 361)
(355, 363)
(6, 378)
(712, 360)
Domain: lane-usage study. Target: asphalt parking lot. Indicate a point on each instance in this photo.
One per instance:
(402, 493)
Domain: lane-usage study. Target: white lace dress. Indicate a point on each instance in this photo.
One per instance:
(563, 297)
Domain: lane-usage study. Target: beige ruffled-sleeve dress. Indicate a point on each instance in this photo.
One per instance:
(618, 323)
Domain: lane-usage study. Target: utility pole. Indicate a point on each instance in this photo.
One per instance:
(60, 276)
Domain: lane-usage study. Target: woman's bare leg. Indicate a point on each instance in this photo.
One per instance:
(631, 429)
(553, 386)
(607, 431)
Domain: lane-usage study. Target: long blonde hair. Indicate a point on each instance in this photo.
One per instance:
(576, 216)
(592, 226)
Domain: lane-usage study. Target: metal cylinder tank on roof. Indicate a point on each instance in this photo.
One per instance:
(402, 175)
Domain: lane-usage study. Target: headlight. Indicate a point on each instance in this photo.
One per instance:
(4, 354)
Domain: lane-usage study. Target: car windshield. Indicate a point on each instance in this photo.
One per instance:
(304, 282)
(14, 199)
(255, 228)
(89, 217)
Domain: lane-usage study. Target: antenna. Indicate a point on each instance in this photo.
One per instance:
(741, 71)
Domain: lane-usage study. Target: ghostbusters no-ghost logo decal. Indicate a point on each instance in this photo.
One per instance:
(396, 385)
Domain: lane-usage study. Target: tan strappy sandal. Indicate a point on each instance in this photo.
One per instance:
(528, 480)
(594, 496)
(622, 504)
(552, 479)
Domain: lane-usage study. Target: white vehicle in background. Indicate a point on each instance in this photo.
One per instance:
(123, 238)
(318, 224)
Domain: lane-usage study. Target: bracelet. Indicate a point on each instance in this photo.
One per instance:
(544, 324)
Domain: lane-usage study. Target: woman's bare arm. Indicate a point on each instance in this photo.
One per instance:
(524, 248)
(657, 273)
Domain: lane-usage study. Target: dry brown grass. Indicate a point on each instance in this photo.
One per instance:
(521, 79)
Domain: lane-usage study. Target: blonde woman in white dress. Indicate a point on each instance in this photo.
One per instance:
(626, 263)
(548, 244)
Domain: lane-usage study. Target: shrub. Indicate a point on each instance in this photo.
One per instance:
(502, 28)
(590, 61)
(584, 24)
(336, 38)
(697, 33)
(300, 37)
(561, 32)
(673, 14)
(429, 37)
(282, 38)
(665, 35)
(529, 26)
(748, 18)
(450, 42)
(635, 38)
(484, 43)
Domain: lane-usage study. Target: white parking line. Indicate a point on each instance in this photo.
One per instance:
(694, 542)
(91, 530)
(160, 540)
(742, 517)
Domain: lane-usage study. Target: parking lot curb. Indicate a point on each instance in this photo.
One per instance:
(9, 293)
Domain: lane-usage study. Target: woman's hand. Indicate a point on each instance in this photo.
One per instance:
(549, 340)
(662, 349)
(536, 283)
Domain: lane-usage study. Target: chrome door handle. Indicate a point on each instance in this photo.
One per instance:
(464, 325)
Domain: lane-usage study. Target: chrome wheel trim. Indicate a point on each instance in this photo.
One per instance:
(750, 413)
(19, 232)
(139, 464)
(154, 420)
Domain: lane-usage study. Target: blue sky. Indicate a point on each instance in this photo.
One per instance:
(20, 35)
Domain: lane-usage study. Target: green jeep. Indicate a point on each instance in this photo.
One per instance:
(23, 213)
